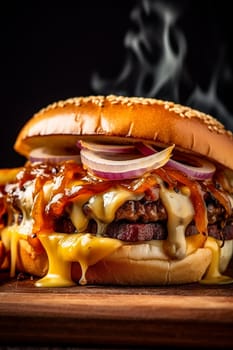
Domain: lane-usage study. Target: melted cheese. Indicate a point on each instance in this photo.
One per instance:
(77, 216)
(59, 272)
(180, 213)
(63, 249)
(226, 253)
(194, 242)
(103, 206)
(10, 237)
(148, 250)
(25, 203)
(213, 275)
(8, 175)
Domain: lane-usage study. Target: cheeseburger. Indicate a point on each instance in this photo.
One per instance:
(119, 190)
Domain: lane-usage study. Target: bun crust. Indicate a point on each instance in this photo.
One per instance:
(133, 270)
(127, 271)
(126, 119)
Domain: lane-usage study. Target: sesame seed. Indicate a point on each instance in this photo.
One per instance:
(182, 111)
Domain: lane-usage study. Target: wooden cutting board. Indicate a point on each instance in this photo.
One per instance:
(189, 315)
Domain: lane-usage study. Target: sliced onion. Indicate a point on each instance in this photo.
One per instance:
(111, 169)
(105, 148)
(204, 170)
(145, 148)
(44, 155)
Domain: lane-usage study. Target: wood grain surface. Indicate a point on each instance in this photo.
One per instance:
(191, 315)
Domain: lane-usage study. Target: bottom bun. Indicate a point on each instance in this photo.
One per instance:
(120, 269)
(125, 271)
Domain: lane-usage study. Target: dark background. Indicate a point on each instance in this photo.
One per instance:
(50, 53)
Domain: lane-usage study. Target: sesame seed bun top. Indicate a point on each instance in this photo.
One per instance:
(126, 119)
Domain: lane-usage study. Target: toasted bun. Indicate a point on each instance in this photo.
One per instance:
(130, 269)
(123, 119)
(127, 271)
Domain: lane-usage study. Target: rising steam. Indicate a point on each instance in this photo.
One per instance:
(155, 64)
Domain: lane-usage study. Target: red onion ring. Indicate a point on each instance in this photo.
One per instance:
(102, 166)
(125, 162)
(204, 171)
(45, 155)
(105, 148)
